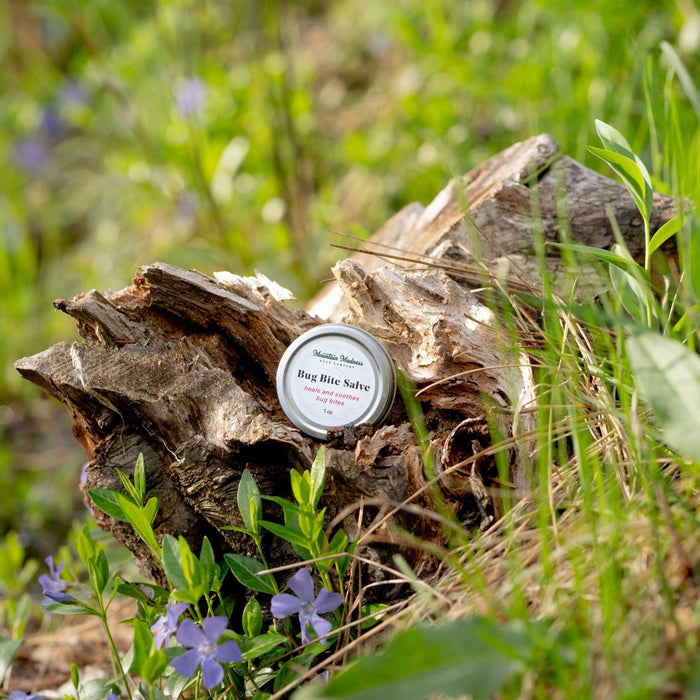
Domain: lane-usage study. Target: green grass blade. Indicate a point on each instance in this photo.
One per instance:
(683, 76)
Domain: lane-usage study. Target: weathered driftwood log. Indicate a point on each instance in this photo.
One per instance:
(180, 367)
(486, 221)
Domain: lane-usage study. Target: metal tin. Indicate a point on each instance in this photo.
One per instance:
(335, 375)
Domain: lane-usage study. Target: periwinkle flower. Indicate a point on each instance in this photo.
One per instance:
(53, 585)
(190, 96)
(203, 650)
(166, 624)
(304, 604)
(32, 155)
(21, 695)
(72, 91)
(52, 124)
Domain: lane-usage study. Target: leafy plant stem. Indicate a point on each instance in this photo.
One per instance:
(114, 653)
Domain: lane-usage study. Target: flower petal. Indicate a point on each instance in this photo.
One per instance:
(327, 601)
(187, 664)
(189, 635)
(59, 597)
(177, 608)
(305, 636)
(160, 632)
(303, 585)
(321, 627)
(284, 604)
(212, 673)
(214, 627)
(228, 652)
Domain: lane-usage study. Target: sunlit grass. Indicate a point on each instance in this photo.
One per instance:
(326, 118)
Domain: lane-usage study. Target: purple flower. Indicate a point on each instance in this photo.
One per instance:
(72, 91)
(52, 124)
(203, 650)
(112, 696)
(21, 695)
(303, 603)
(186, 210)
(32, 155)
(166, 624)
(190, 96)
(53, 585)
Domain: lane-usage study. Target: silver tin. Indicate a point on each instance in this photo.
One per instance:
(333, 376)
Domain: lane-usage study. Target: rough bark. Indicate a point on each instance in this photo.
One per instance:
(180, 367)
(526, 195)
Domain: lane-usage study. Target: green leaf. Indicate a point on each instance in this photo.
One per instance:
(635, 297)
(138, 519)
(287, 506)
(172, 562)
(194, 573)
(75, 675)
(246, 569)
(670, 228)
(613, 140)
(130, 489)
(624, 262)
(210, 568)
(141, 648)
(147, 662)
(150, 510)
(249, 502)
(292, 669)
(252, 618)
(98, 571)
(130, 590)
(338, 542)
(96, 689)
(633, 177)
(470, 656)
(140, 478)
(154, 666)
(693, 262)
(76, 608)
(106, 501)
(8, 649)
(258, 646)
(306, 526)
(667, 375)
(317, 526)
(301, 486)
(175, 685)
(318, 476)
(287, 533)
(87, 549)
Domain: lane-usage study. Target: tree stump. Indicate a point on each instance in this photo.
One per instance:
(180, 367)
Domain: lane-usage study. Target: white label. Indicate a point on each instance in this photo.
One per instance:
(332, 381)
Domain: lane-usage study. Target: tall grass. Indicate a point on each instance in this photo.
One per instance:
(322, 117)
(590, 582)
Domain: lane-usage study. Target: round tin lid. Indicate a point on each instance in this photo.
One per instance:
(335, 375)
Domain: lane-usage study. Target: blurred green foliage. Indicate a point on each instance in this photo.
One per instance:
(236, 135)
